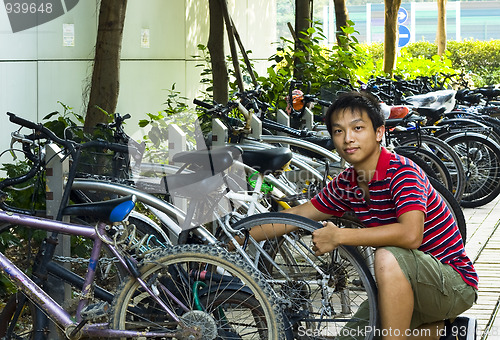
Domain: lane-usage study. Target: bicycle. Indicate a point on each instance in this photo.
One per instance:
(176, 292)
(154, 265)
(278, 272)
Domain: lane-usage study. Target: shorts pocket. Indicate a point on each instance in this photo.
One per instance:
(432, 299)
(462, 297)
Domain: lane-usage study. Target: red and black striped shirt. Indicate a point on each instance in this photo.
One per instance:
(398, 186)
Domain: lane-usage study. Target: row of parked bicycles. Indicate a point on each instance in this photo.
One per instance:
(176, 267)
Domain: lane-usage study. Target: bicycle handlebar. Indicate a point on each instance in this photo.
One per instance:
(43, 132)
(48, 134)
(203, 104)
(105, 145)
(40, 128)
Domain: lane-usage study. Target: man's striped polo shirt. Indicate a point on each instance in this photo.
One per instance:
(398, 186)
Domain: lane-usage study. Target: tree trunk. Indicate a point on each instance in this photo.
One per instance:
(106, 74)
(232, 46)
(391, 34)
(441, 27)
(303, 17)
(341, 17)
(216, 48)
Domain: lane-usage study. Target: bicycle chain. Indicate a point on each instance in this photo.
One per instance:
(66, 259)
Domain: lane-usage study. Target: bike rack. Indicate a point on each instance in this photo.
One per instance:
(56, 172)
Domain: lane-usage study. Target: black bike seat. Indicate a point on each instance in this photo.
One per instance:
(196, 185)
(489, 92)
(216, 160)
(267, 160)
(431, 112)
(115, 210)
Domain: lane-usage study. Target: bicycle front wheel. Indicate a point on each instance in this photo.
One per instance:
(329, 296)
(210, 291)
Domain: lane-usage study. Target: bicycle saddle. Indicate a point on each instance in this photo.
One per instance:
(216, 160)
(267, 160)
(115, 210)
(431, 112)
(489, 91)
(196, 185)
(468, 96)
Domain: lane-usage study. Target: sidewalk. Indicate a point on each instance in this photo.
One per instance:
(483, 248)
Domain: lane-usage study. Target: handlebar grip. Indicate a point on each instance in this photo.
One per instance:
(324, 103)
(106, 145)
(39, 127)
(23, 122)
(203, 104)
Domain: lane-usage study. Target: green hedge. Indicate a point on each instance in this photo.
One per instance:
(480, 58)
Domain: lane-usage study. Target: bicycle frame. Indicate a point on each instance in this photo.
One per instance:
(51, 308)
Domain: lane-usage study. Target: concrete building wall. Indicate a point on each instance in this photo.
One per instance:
(52, 62)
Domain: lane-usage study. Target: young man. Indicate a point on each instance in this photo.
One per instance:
(423, 274)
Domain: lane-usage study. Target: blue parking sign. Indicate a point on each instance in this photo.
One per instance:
(404, 36)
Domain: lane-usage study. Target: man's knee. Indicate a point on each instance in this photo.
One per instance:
(387, 266)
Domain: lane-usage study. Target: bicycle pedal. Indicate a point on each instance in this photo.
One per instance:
(95, 311)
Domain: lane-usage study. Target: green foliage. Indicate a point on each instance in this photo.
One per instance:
(177, 112)
(315, 63)
(409, 66)
(422, 48)
(31, 197)
(480, 59)
(28, 195)
(206, 72)
(68, 118)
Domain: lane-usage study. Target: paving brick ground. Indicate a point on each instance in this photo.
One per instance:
(483, 247)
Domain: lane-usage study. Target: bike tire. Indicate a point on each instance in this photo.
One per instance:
(429, 162)
(23, 329)
(446, 153)
(453, 205)
(323, 293)
(167, 267)
(481, 158)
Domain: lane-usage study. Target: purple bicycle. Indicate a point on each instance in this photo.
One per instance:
(181, 292)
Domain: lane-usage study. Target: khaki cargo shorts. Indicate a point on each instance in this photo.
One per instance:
(440, 292)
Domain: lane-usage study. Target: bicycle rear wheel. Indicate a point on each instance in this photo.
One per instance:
(429, 162)
(447, 155)
(481, 159)
(328, 296)
(216, 291)
(453, 205)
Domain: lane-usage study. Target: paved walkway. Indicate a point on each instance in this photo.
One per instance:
(483, 247)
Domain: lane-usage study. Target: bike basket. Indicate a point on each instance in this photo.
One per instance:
(98, 160)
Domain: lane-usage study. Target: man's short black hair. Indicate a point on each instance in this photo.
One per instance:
(356, 101)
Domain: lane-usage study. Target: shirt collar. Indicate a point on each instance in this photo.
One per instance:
(382, 164)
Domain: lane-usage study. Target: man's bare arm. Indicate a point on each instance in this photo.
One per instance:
(268, 231)
(307, 210)
(406, 233)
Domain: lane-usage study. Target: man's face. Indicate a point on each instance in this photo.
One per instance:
(354, 137)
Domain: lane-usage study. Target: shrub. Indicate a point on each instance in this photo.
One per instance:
(481, 59)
